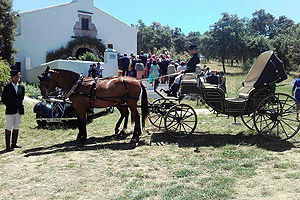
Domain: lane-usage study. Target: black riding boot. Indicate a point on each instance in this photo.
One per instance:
(7, 140)
(15, 139)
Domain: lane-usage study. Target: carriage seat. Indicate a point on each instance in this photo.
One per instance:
(246, 89)
(190, 79)
(190, 84)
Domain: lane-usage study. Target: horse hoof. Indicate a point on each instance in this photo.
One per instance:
(122, 132)
(134, 140)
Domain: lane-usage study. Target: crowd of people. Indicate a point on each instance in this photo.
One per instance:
(156, 68)
(162, 69)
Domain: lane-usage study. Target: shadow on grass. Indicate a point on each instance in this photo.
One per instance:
(205, 139)
(72, 124)
(92, 143)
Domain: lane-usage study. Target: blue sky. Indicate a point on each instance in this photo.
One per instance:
(189, 15)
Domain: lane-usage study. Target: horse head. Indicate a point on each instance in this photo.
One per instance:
(47, 84)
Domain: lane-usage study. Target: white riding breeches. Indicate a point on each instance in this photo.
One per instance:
(13, 121)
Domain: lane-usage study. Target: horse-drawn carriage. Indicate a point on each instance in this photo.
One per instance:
(260, 108)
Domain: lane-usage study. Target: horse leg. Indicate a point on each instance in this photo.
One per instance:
(120, 120)
(137, 126)
(126, 114)
(81, 118)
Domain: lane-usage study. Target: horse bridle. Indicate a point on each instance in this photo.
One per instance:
(46, 78)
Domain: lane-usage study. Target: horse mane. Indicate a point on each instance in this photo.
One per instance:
(65, 70)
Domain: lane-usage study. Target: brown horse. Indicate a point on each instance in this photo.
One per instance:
(86, 93)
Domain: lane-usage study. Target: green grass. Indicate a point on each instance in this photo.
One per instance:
(220, 161)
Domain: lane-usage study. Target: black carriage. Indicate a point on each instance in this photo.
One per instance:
(56, 110)
(260, 108)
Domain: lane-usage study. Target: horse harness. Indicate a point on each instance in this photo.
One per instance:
(92, 94)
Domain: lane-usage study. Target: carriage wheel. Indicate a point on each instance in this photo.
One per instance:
(180, 121)
(248, 121)
(277, 116)
(158, 110)
(58, 109)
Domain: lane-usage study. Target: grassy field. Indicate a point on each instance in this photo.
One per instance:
(220, 161)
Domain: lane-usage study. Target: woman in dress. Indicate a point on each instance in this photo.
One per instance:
(154, 71)
(297, 94)
(139, 67)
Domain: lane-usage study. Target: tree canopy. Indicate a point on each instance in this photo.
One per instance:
(230, 38)
(8, 24)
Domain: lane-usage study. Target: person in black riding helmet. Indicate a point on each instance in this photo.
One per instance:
(12, 97)
(191, 65)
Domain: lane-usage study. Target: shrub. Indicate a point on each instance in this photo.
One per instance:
(4, 72)
(32, 91)
(88, 56)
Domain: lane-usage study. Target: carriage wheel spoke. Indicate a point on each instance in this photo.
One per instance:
(283, 129)
(184, 129)
(278, 104)
(172, 125)
(288, 125)
(188, 125)
(285, 102)
(293, 120)
(248, 120)
(270, 103)
(277, 130)
(267, 126)
(157, 119)
(185, 113)
(289, 108)
(187, 116)
(287, 114)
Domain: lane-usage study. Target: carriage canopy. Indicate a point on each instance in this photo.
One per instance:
(267, 69)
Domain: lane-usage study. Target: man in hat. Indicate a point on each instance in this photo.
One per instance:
(191, 65)
(12, 97)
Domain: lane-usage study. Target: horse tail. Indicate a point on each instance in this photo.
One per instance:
(144, 104)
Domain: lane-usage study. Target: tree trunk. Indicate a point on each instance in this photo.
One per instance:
(223, 63)
(231, 62)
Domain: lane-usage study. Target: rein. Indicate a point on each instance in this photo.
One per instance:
(71, 91)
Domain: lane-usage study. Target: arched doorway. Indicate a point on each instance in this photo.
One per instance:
(81, 51)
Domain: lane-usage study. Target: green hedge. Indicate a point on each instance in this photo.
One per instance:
(32, 91)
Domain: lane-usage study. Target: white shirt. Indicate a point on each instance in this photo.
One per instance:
(178, 79)
(15, 86)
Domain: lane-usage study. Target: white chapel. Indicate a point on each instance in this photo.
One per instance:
(48, 29)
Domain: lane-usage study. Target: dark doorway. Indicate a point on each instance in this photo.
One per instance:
(81, 51)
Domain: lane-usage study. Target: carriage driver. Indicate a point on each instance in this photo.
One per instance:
(191, 65)
(12, 98)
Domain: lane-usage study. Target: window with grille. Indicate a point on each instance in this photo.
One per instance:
(84, 24)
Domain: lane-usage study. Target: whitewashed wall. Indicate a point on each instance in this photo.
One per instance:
(72, 65)
(50, 28)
